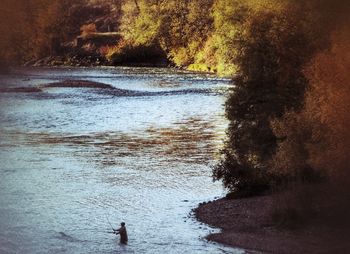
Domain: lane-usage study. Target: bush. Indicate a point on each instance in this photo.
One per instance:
(181, 57)
(128, 53)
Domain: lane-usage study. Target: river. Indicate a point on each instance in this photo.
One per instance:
(73, 158)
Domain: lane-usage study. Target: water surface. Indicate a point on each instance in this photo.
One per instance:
(73, 157)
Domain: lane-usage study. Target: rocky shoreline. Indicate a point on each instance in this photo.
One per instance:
(248, 224)
(87, 61)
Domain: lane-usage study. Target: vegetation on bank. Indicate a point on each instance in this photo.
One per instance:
(289, 123)
(284, 54)
(198, 35)
(35, 29)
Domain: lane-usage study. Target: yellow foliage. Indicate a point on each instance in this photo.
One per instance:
(200, 67)
(328, 103)
(109, 51)
(319, 136)
(140, 23)
(180, 56)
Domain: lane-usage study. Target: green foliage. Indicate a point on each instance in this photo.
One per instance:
(179, 27)
(140, 23)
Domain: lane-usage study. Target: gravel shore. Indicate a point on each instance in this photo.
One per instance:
(247, 224)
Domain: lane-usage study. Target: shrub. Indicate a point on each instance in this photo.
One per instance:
(125, 52)
(181, 57)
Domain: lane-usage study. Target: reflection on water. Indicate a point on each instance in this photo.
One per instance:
(191, 141)
(73, 157)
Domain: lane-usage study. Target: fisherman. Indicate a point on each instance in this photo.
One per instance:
(123, 234)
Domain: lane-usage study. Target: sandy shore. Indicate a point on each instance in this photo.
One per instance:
(247, 224)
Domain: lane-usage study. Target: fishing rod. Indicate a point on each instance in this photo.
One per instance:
(114, 230)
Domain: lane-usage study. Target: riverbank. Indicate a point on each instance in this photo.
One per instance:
(61, 61)
(248, 224)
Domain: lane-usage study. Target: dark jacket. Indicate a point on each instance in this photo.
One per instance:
(123, 235)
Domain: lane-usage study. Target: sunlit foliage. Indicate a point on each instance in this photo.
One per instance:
(140, 21)
(180, 28)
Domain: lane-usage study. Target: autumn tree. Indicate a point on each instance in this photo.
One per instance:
(272, 46)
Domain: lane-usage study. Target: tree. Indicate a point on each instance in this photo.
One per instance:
(272, 47)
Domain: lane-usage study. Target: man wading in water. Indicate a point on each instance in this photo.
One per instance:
(123, 234)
